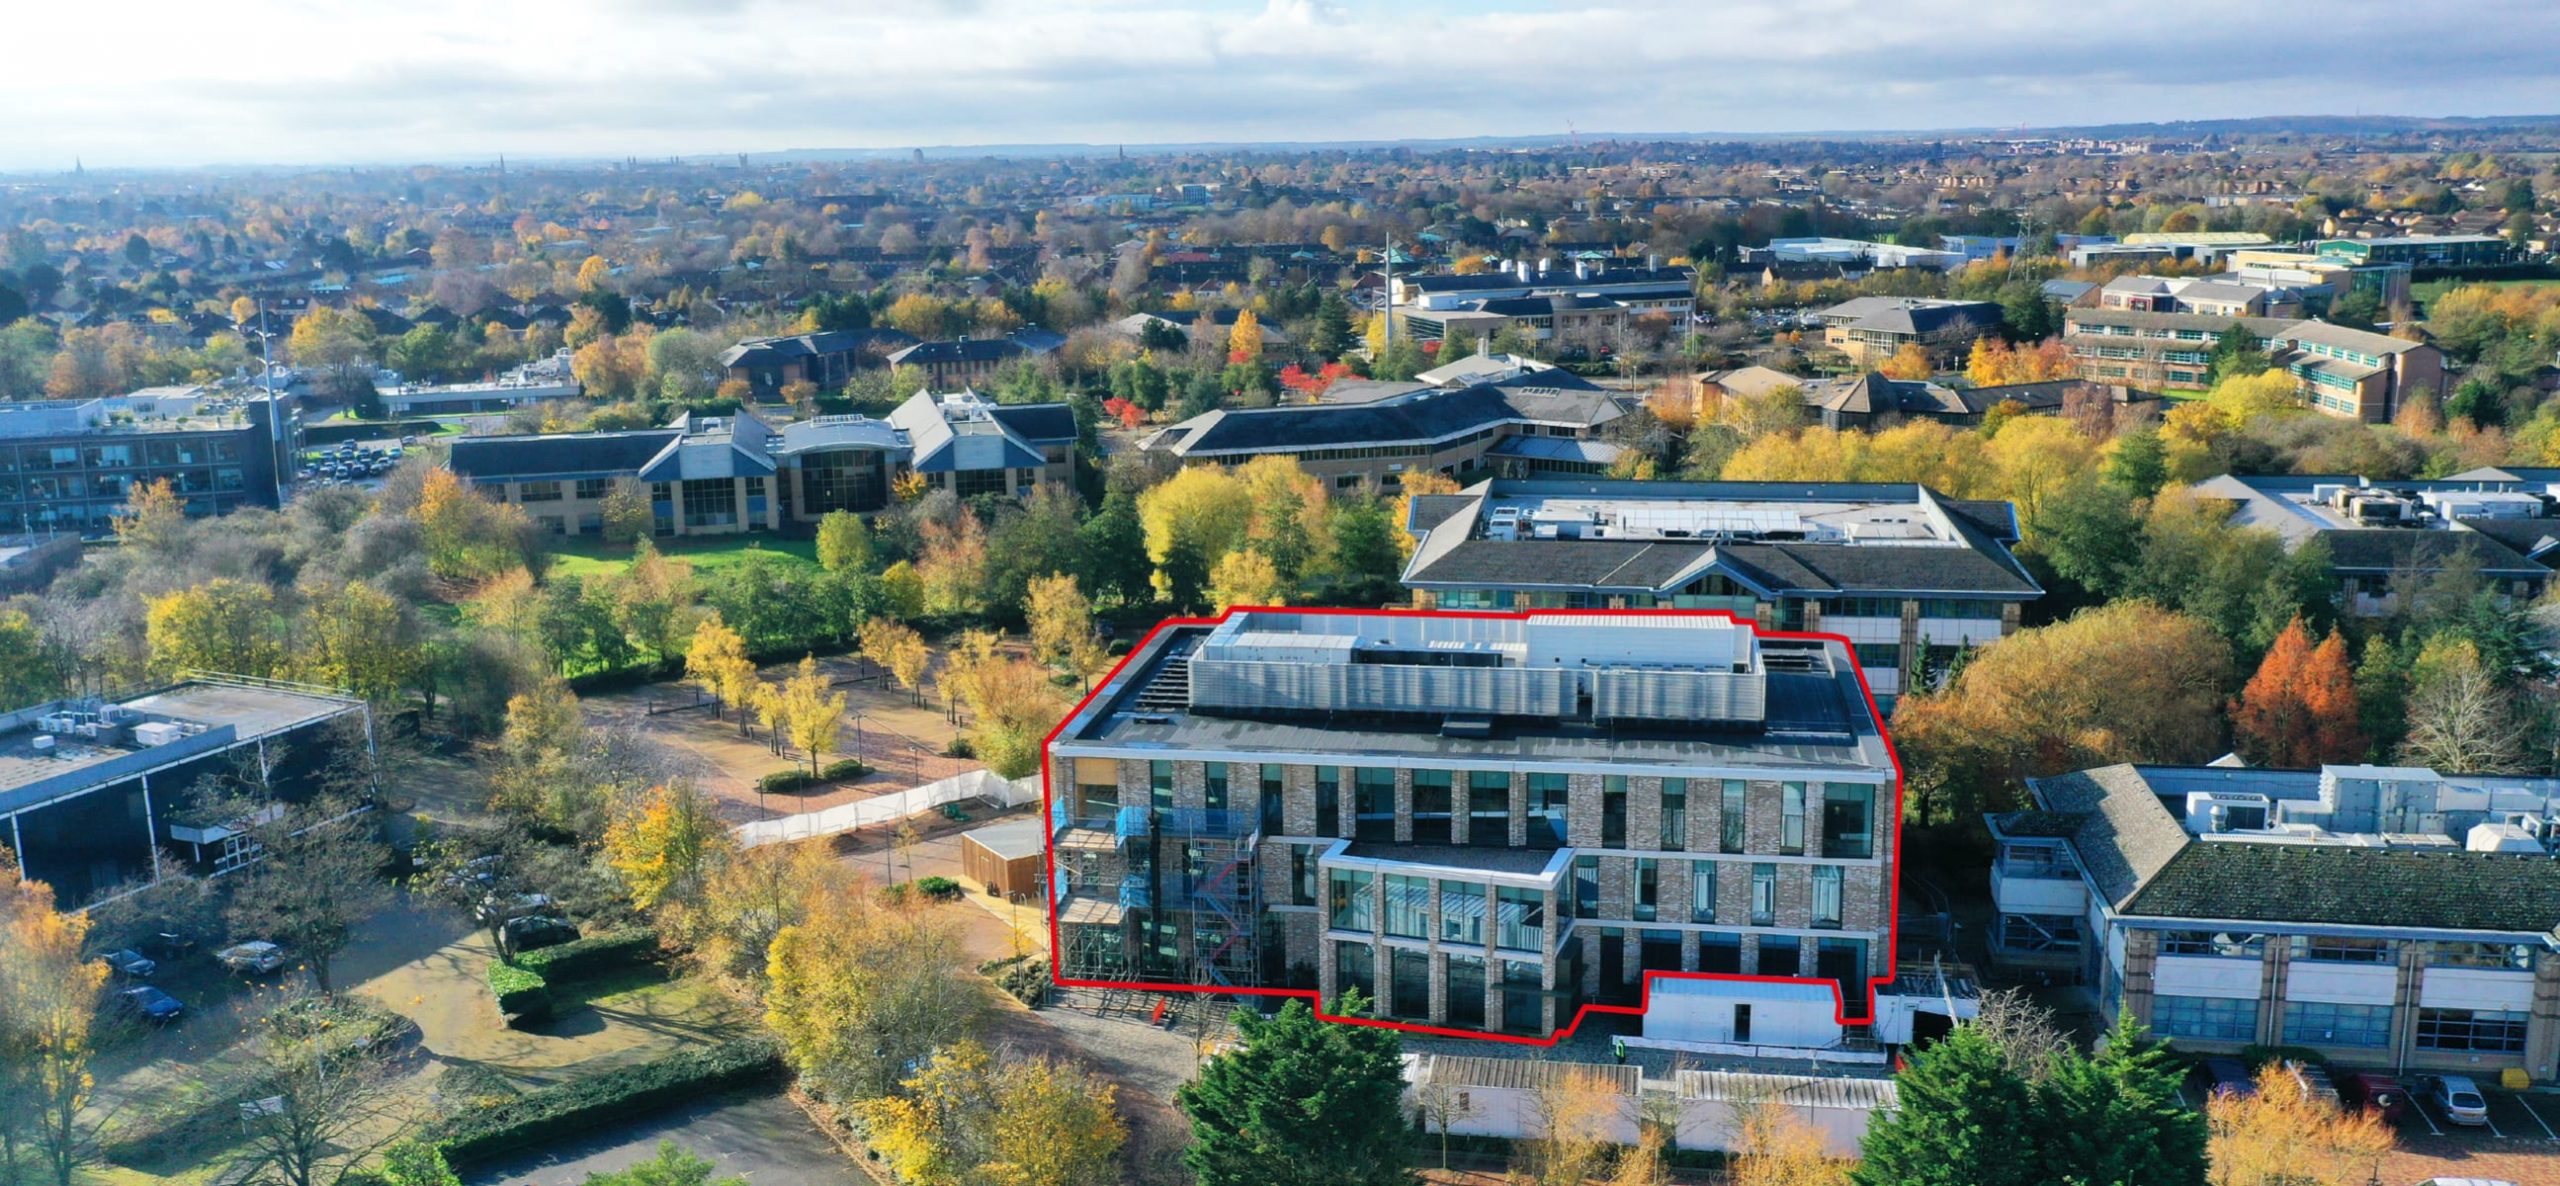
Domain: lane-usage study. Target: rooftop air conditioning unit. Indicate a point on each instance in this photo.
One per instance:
(157, 733)
(42, 744)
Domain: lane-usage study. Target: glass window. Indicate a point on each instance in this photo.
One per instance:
(1737, 795)
(1586, 887)
(2321, 1023)
(1720, 951)
(1275, 782)
(2485, 1031)
(594, 488)
(2518, 956)
(1461, 913)
(1160, 784)
(2038, 860)
(1547, 806)
(2212, 1019)
(1354, 899)
(1328, 800)
(1764, 895)
(710, 503)
(2341, 949)
(1408, 906)
(1848, 815)
(1431, 801)
(543, 491)
(1781, 955)
(2039, 932)
(1374, 800)
(1213, 786)
(2228, 944)
(1613, 811)
(1520, 917)
(1302, 875)
(1675, 814)
(1648, 889)
(1702, 891)
(1466, 989)
(1826, 895)
(1488, 807)
(1791, 819)
(1412, 980)
(1355, 966)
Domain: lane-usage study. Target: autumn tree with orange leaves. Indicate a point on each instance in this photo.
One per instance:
(2299, 711)
(48, 1002)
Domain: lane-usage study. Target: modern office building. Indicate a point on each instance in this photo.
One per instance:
(2381, 916)
(2503, 529)
(1480, 821)
(2419, 251)
(1873, 329)
(67, 465)
(725, 474)
(2357, 374)
(1529, 423)
(1909, 575)
(99, 795)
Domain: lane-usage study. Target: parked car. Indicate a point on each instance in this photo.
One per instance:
(151, 1004)
(493, 909)
(2457, 1097)
(256, 957)
(169, 945)
(2377, 1092)
(533, 932)
(2228, 1076)
(130, 964)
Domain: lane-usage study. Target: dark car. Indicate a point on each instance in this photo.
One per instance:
(534, 932)
(151, 1004)
(132, 965)
(2375, 1091)
(2228, 1076)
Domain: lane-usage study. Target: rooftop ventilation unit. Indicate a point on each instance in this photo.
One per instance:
(2213, 812)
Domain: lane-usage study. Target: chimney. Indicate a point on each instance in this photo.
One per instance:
(1581, 269)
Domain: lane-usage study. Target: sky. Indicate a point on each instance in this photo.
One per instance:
(164, 83)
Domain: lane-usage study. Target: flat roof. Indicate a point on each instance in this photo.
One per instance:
(1815, 720)
(218, 715)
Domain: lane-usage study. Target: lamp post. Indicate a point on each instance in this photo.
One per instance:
(279, 441)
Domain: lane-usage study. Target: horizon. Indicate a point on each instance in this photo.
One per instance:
(291, 84)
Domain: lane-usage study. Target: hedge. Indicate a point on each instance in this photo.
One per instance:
(521, 992)
(595, 955)
(579, 1106)
(796, 779)
(941, 889)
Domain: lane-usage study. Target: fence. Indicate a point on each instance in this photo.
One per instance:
(978, 785)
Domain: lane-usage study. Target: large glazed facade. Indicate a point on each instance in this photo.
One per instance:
(1479, 821)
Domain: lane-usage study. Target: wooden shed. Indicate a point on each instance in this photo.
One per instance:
(1007, 857)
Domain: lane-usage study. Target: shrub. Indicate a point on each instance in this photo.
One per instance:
(579, 1106)
(959, 748)
(1027, 982)
(940, 889)
(784, 781)
(523, 995)
(595, 955)
(843, 769)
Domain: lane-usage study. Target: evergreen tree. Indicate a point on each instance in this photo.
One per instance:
(1331, 333)
(2116, 1117)
(2235, 355)
(1114, 544)
(1302, 1102)
(2138, 464)
(1964, 1120)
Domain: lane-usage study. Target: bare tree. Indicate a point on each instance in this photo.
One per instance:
(2024, 1031)
(1442, 1105)
(328, 1106)
(321, 878)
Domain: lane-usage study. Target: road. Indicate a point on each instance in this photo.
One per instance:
(758, 1136)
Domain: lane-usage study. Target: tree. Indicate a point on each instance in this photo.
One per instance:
(1773, 1146)
(1909, 362)
(810, 718)
(1573, 1110)
(844, 543)
(1244, 339)
(952, 564)
(48, 1005)
(417, 1163)
(1062, 633)
(1192, 518)
(899, 650)
(902, 591)
(2282, 1135)
(1245, 578)
(154, 518)
(2137, 465)
(1300, 1101)
(672, 1165)
(468, 537)
(1011, 703)
(329, 1104)
(664, 842)
(964, 1119)
(717, 663)
(321, 877)
(222, 625)
(31, 667)
(2117, 1116)
(2124, 682)
(362, 639)
(859, 990)
(335, 342)
(2461, 718)
(628, 517)
(1964, 1120)
(2299, 711)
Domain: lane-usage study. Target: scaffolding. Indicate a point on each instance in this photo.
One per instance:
(1218, 897)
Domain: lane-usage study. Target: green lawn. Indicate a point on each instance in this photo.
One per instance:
(588, 556)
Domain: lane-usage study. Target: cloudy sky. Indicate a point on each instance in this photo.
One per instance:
(184, 82)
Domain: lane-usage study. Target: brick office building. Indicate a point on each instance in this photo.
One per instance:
(1482, 822)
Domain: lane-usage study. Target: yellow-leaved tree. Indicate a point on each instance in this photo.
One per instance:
(966, 1119)
(222, 625)
(717, 663)
(48, 1001)
(664, 843)
(811, 716)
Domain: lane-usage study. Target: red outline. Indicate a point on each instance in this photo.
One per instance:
(1840, 1011)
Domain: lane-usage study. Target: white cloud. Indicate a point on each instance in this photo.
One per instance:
(328, 80)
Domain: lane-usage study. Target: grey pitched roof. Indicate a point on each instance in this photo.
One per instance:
(2125, 835)
(558, 455)
(2383, 550)
(1427, 415)
(963, 350)
(1039, 424)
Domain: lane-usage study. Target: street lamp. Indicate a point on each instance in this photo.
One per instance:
(278, 440)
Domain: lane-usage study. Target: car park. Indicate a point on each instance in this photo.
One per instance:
(130, 964)
(493, 908)
(2376, 1092)
(256, 957)
(533, 932)
(150, 1004)
(2228, 1076)
(2456, 1098)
